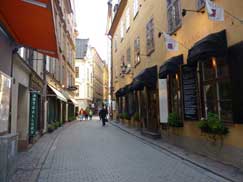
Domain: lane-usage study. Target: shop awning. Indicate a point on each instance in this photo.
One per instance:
(123, 91)
(147, 77)
(214, 45)
(59, 95)
(171, 66)
(74, 102)
(137, 85)
(30, 23)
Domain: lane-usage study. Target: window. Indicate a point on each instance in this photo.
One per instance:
(174, 93)
(115, 44)
(128, 56)
(200, 4)
(150, 36)
(77, 72)
(135, 8)
(122, 30)
(127, 19)
(216, 83)
(137, 50)
(77, 91)
(173, 15)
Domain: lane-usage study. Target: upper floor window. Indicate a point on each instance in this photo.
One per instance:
(200, 4)
(127, 19)
(135, 8)
(137, 50)
(115, 44)
(77, 72)
(150, 36)
(173, 15)
(129, 56)
(122, 30)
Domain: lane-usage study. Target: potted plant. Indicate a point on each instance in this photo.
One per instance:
(136, 119)
(126, 117)
(50, 128)
(174, 120)
(213, 127)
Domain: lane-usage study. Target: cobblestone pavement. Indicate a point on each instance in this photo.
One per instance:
(87, 152)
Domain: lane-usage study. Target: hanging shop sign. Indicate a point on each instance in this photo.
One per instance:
(163, 101)
(5, 84)
(189, 88)
(33, 113)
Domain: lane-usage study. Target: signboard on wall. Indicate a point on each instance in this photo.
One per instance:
(163, 101)
(5, 85)
(33, 113)
(113, 105)
(189, 88)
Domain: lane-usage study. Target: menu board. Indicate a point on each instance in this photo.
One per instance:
(163, 100)
(33, 113)
(5, 84)
(189, 87)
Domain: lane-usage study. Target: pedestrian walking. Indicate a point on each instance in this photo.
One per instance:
(90, 114)
(103, 114)
(81, 114)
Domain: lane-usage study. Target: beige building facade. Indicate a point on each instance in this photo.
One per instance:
(140, 58)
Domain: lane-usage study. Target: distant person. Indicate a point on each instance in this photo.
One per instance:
(87, 113)
(103, 114)
(90, 114)
(81, 114)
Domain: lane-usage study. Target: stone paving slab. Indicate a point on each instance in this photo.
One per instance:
(227, 171)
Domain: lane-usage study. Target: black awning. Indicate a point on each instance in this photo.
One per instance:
(214, 45)
(171, 66)
(123, 91)
(147, 78)
(137, 85)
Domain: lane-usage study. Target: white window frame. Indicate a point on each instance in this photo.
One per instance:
(127, 19)
(135, 8)
(122, 30)
(200, 4)
(150, 42)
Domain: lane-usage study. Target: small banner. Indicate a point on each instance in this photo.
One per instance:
(171, 44)
(33, 113)
(215, 13)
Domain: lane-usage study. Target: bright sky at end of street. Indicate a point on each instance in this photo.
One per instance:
(91, 17)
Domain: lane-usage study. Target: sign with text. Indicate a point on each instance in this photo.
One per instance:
(189, 87)
(163, 101)
(33, 113)
(5, 85)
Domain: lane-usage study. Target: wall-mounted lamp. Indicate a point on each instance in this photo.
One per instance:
(184, 11)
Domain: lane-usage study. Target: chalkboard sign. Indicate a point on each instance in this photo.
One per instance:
(189, 88)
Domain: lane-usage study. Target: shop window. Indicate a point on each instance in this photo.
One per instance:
(174, 92)
(150, 36)
(173, 15)
(217, 95)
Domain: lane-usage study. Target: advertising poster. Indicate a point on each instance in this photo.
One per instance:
(5, 84)
(163, 101)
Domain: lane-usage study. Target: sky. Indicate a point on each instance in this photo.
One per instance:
(91, 16)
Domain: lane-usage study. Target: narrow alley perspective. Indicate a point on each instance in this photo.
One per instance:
(121, 91)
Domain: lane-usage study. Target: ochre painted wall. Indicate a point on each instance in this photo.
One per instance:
(195, 26)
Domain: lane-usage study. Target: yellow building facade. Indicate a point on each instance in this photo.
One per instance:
(136, 21)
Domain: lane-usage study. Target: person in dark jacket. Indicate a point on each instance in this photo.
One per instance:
(103, 114)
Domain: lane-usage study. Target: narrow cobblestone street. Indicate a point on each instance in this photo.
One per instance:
(85, 151)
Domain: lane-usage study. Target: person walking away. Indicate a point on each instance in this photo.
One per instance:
(103, 114)
(81, 113)
(90, 114)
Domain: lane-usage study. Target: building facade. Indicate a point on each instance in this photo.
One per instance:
(84, 74)
(98, 80)
(200, 75)
(105, 84)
